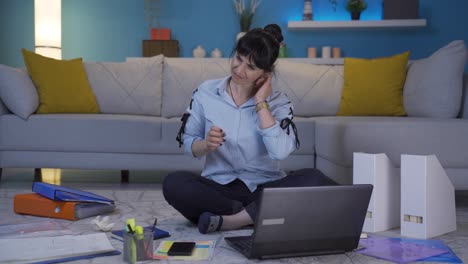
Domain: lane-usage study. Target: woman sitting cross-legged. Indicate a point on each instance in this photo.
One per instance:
(243, 128)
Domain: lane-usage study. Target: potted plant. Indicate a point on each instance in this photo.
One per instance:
(355, 7)
(152, 9)
(245, 14)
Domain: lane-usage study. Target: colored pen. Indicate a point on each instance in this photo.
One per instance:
(130, 230)
(154, 224)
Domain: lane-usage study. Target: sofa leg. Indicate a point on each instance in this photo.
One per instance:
(124, 176)
(37, 175)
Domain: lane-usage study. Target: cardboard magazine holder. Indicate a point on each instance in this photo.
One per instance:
(427, 198)
(383, 212)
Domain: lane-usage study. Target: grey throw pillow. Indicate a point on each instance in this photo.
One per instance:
(131, 87)
(433, 86)
(18, 92)
(181, 76)
(314, 90)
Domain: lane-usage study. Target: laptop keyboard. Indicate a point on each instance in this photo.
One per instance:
(242, 244)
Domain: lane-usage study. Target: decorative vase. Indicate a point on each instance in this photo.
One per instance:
(282, 51)
(240, 35)
(312, 52)
(336, 52)
(216, 53)
(355, 15)
(160, 34)
(326, 52)
(199, 52)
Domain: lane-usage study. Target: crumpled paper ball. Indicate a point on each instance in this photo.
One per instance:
(102, 224)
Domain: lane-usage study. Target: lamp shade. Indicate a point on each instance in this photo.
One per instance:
(48, 28)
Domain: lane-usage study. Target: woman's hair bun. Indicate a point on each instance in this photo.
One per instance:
(275, 30)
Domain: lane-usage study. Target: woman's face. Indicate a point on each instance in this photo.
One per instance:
(244, 71)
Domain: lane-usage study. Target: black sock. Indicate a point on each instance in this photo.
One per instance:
(208, 222)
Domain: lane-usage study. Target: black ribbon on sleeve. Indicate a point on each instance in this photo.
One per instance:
(182, 129)
(184, 119)
(285, 124)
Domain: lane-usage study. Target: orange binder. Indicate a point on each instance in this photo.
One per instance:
(35, 204)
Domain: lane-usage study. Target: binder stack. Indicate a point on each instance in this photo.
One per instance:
(49, 200)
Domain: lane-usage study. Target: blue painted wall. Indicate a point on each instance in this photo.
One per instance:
(110, 30)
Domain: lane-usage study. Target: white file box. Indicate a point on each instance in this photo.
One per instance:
(427, 198)
(383, 212)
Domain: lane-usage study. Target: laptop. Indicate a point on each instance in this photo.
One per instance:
(305, 221)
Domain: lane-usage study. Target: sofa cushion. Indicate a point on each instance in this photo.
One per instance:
(374, 86)
(132, 87)
(18, 92)
(338, 137)
(3, 108)
(182, 76)
(62, 85)
(314, 90)
(433, 85)
(306, 133)
(100, 133)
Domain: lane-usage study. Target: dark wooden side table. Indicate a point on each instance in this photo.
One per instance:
(169, 48)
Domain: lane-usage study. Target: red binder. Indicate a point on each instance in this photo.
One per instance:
(35, 204)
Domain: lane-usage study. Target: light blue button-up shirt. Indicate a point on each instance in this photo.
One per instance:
(249, 153)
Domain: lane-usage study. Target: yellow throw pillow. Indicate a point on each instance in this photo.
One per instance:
(374, 86)
(62, 85)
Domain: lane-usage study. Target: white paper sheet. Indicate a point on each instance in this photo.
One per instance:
(33, 249)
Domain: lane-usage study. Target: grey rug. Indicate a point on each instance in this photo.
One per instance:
(145, 201)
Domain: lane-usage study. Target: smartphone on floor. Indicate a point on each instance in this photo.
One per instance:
(181, 249)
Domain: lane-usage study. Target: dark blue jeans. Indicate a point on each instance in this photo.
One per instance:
(191, 194)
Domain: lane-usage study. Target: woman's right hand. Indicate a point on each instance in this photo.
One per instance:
(214, 138)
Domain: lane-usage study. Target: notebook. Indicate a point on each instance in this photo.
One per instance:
(303, 221)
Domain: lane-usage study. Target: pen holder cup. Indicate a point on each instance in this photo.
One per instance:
(137, 247)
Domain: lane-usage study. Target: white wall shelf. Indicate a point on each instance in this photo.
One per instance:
(326, 61)
(357, 24)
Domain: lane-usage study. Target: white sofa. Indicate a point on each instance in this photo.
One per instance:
(142, 100)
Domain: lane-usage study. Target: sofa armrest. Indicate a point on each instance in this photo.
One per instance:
(464, 106)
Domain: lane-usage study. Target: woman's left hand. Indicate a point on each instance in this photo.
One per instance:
(265, 89)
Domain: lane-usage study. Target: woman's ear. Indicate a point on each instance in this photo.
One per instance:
(266, 74)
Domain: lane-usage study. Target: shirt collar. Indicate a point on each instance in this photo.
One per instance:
(222, 91)
(222, 86)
